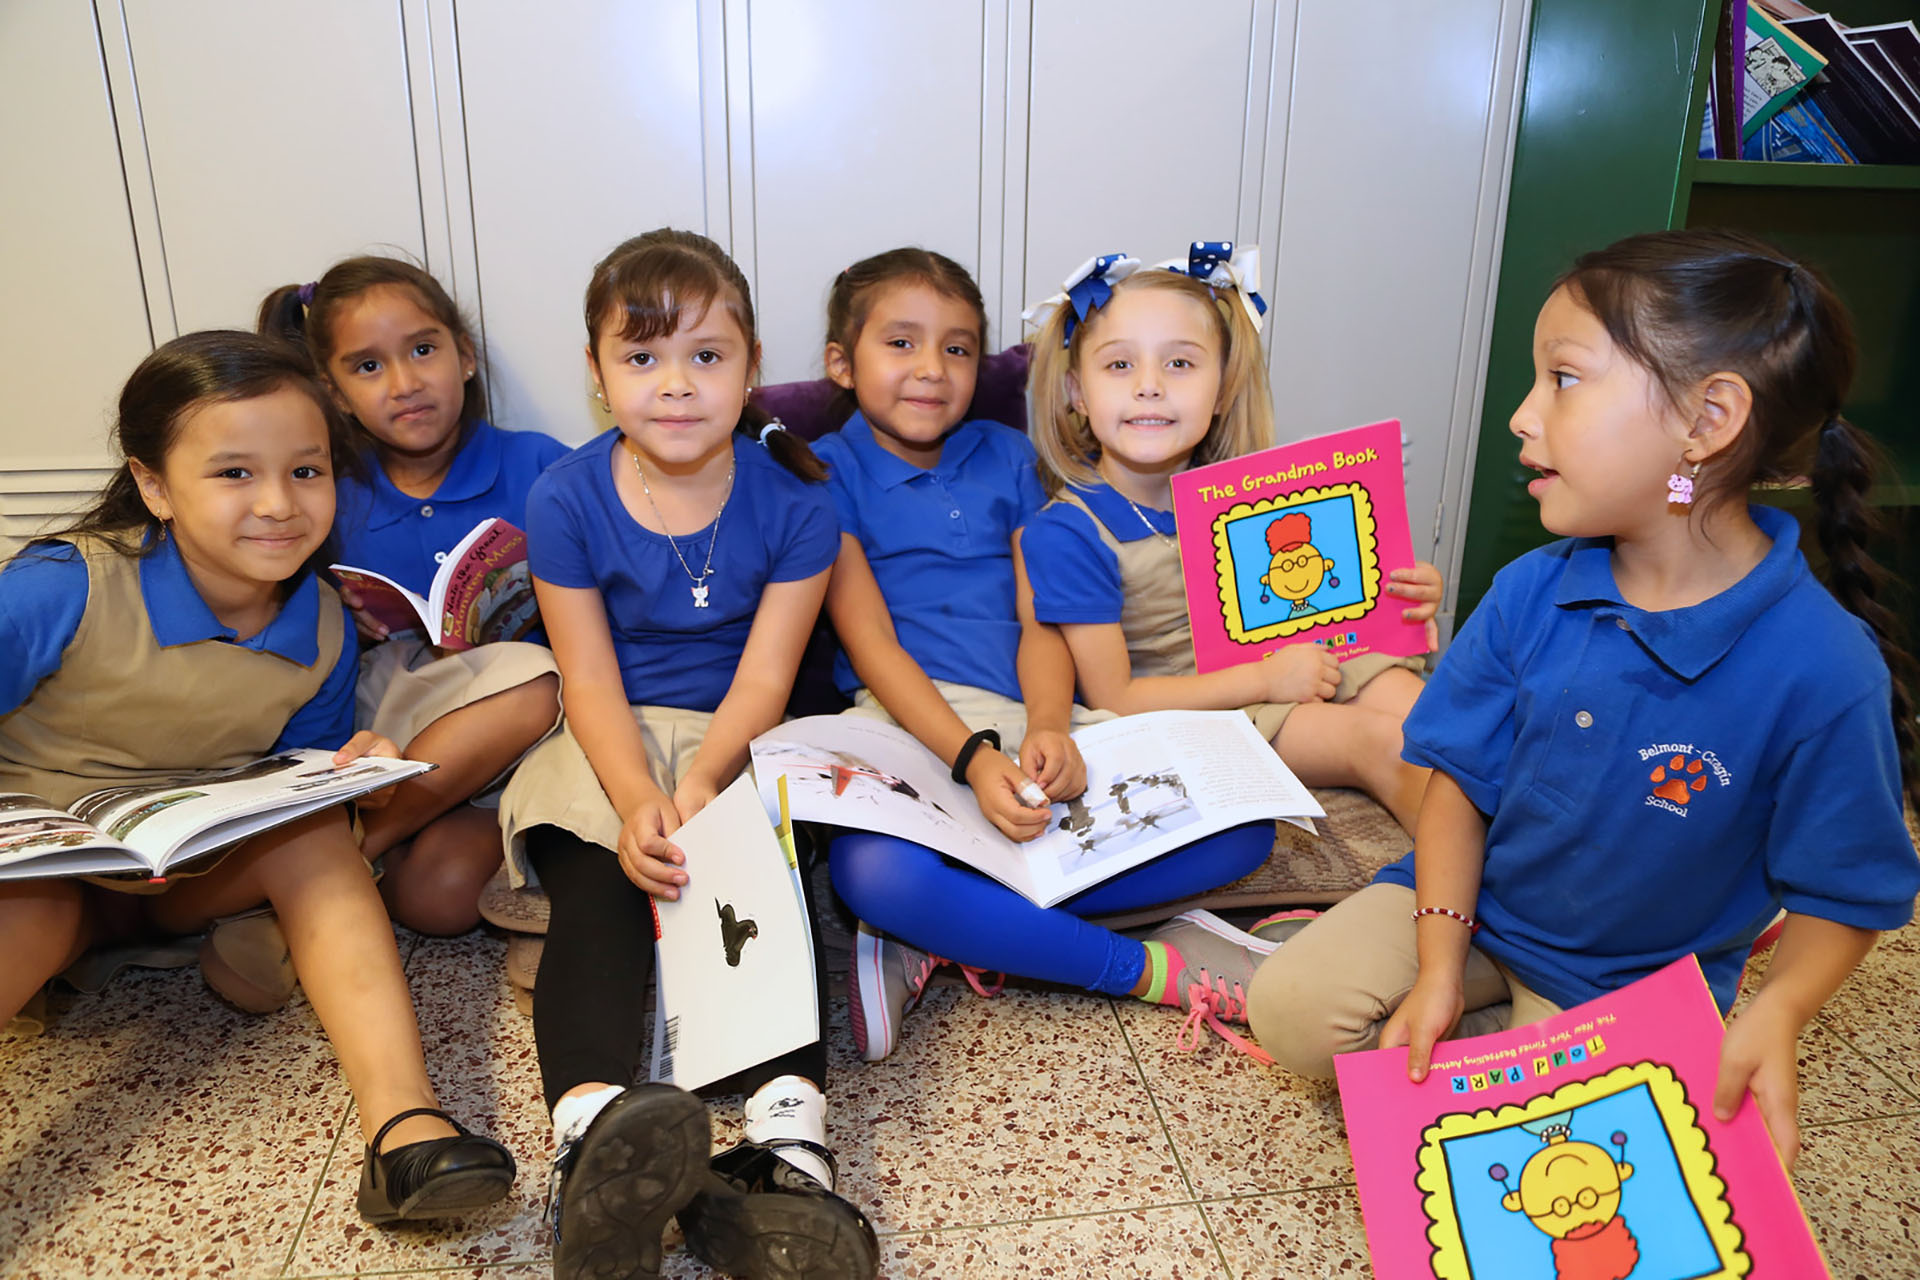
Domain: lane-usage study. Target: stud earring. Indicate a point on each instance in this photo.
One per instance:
(601, 395)
(1680, 487)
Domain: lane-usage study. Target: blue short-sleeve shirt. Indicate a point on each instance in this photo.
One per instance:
(776, 528)
(378, 527)
(940, 541)
(1663, 783)
(43, 594)
(1074, 574)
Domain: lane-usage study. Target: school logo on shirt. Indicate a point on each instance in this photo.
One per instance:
(1679, 773)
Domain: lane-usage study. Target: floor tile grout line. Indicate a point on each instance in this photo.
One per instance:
(320, 1182)
(1841, 1124)
(1104, 1212)
(1868, 1058)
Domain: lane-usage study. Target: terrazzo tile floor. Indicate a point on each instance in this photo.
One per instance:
(152, 1132)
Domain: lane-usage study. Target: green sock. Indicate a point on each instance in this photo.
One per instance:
(1161, 967)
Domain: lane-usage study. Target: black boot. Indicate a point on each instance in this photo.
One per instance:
(616, 1185)
(759, 1218)
(432, 1179)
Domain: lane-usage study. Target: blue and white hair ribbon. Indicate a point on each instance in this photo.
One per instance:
(1086, 291)
(1219, 264)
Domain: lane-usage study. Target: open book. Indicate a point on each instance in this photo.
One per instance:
(1583, 1145)
(481, 592)
(736, 978)
(1155, 782)
(1294, 544)
(153, 826)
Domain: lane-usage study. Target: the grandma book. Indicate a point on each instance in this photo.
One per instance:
(1583, 1147)
(1294, 544)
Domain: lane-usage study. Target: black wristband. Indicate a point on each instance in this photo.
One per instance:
(972, 744)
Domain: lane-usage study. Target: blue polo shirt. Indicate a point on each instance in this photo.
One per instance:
(776, 528)
(940, 541)
(1663, 783)
(1074, 574)
(43, 593)
(380, 528)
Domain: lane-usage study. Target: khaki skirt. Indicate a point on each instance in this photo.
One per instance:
(1355, 675)
(406, 684)
(555, 784)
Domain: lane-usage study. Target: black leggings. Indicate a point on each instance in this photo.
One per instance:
(589, 1020)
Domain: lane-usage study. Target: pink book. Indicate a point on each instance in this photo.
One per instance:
(1294, 544)
(482, 592)
(1583, 1147)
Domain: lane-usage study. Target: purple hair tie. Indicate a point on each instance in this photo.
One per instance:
(306, 293)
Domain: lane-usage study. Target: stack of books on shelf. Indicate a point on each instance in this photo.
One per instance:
(1808, 88)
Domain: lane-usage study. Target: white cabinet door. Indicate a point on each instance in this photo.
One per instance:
(74, 320)
(866, 135)
(1382, 241)
(278, 138)
(1137, 130)
(584, 125)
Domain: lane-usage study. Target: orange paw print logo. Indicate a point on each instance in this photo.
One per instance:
(1677, 779)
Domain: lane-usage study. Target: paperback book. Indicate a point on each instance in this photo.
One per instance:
(1294, 544)
(1584, 1145)
(150, 828)
(1155, 782)
(735, 975)
(482, 592)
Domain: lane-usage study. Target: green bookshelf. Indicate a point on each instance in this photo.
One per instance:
(1595, 161)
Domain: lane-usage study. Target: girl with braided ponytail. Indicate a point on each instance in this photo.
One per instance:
(1655, 735)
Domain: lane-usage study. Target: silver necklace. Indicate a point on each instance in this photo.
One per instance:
(699, 580)
(1165, 541)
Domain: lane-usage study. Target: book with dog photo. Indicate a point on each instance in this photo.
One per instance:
(735, 972)
(153, 826)
(1155, 782)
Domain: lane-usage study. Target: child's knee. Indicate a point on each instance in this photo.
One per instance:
(1290, 1016)
(535, 705)
(435, 888)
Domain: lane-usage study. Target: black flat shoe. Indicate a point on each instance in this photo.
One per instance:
(432, 1179)
(617, 1185)
(759, 1218)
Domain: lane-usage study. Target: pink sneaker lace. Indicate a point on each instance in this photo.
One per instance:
(975, 976)
(1208, 1006)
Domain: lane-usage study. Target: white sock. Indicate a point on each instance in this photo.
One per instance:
(791, 1107)
(572, 1115)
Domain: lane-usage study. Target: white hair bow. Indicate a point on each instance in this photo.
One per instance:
(1087, 289)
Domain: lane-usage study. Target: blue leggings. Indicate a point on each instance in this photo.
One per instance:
(940, 906)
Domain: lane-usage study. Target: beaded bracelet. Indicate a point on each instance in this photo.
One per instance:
(1473, 926)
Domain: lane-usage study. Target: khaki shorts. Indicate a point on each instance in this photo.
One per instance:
(978, 709)
(555, 784)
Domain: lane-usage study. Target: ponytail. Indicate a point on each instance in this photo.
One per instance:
(1845, 462)
(788, 449)
(283, 315)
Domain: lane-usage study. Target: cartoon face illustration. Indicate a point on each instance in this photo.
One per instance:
(1298, 568)
(1571, 1191)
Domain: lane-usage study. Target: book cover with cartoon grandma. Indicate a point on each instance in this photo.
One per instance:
(1583, 1147)
(1294, 544)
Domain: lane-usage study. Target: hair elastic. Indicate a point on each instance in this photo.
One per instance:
(772, 426)
(306, 293)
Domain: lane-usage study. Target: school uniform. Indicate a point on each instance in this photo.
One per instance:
(405, 683)
(1655, 784)
(119, 673)
(677, 660)
(1093, 557)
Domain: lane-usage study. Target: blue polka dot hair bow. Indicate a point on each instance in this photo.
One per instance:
(1220, 264)
(1086, 290)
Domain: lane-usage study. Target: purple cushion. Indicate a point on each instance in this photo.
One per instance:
(807, 408)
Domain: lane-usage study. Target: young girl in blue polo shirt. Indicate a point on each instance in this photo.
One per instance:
(1654, 735)
(402, 361)
(926, 604)
(680, 559)
(179, 626)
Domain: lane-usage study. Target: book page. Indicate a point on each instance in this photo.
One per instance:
(384, 600)
(54, 841)
(736, 972)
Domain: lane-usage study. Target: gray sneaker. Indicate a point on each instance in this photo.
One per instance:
(887, 979)
(1211, 966)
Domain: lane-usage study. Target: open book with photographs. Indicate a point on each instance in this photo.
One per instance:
(1155, 783)
(150, 827)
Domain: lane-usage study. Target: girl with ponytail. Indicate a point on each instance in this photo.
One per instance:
(1655, 736)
